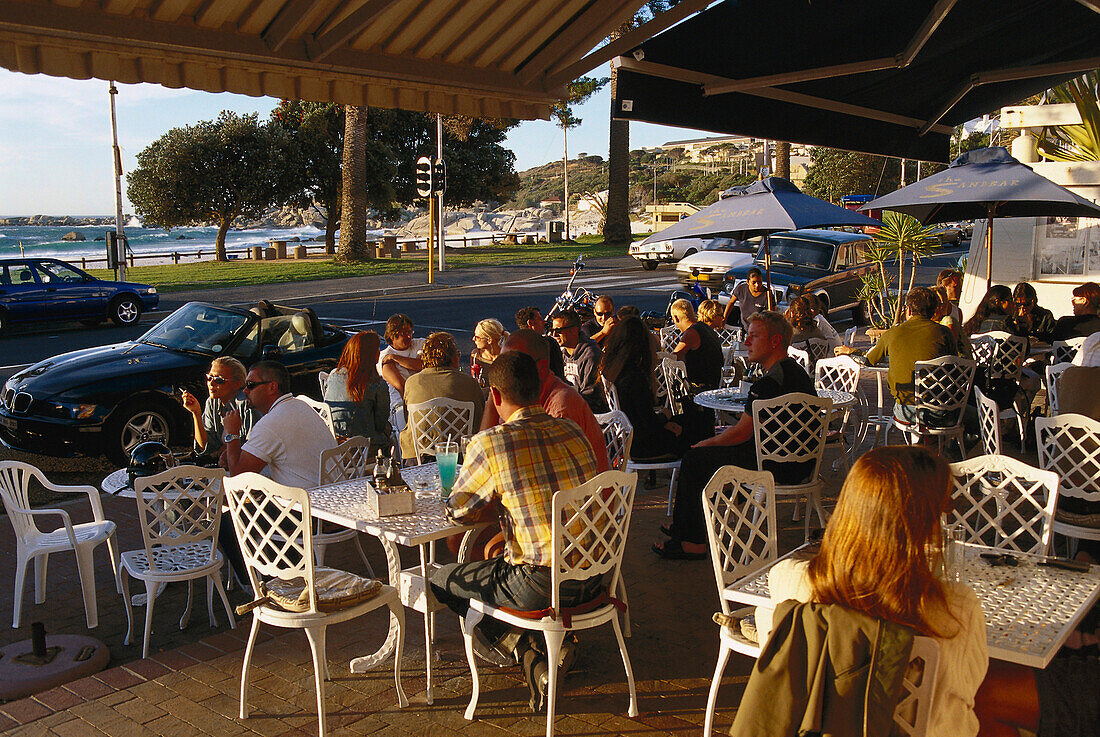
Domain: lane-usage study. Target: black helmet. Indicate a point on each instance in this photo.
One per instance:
(149, 459)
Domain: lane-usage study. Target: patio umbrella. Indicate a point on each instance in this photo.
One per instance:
(764, 207)
(986, 182)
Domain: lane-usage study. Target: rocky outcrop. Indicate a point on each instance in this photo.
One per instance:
(61, 220)
(73, 235)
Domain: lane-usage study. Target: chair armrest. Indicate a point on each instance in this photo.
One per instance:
(91, 491)
(57, 512)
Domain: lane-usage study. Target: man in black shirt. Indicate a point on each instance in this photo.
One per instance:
(767, 340)
(1085, 319)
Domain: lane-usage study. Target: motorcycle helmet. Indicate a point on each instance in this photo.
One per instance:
(149, 459)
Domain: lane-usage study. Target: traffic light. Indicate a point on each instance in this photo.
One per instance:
(439, 176)
(424, 176)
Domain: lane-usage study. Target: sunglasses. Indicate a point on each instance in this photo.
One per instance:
(250, 385)
(214, 379)
(604, 314)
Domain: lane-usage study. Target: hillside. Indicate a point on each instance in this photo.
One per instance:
(677, 181)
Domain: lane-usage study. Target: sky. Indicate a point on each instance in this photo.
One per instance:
(55, 137)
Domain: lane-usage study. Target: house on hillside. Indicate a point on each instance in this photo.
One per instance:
(666, 215)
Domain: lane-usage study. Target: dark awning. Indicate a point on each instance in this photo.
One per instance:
(862, 75)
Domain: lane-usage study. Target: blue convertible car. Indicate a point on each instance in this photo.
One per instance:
(109, 399)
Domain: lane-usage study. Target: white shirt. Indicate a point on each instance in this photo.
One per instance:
(413, 351)
(828, 331)
(289, 439)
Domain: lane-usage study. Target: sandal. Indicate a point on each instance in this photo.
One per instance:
(673, 550)
(666, 531)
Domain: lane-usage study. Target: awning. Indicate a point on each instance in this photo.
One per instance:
(889, 78)
(485, 58)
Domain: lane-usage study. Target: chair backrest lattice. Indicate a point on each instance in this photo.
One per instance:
(1069, 445)
(942, 385)
(322, 379)
(610, 393)
(659, 374)
(179, 506)
(816, 349)
(676, 383)
(989, 422)
(273, 528)
(739, 507)
(320, 408)
(1001, 354)
(1004, 503)
(730, 336)
(350, 459)
(1052, 374)
(1064, 351)
(918, 684)
(670, 336)
(802, 357)
(618, 434)
(791, 429)
(837, 374)
(589, 529)
(439, 419)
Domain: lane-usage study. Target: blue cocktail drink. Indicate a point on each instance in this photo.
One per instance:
(446, 456)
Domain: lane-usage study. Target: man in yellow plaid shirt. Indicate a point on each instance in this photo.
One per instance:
(511, 472)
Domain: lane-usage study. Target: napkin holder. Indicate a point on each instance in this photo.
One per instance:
(389, 501)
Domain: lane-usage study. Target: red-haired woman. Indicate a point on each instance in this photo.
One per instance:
(357, 395)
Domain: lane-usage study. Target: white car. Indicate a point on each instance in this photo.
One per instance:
(649, 252)
(709, 266)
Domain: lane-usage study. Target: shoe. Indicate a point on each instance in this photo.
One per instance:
(673, 550)
(534, 673)
(489, 653)
(667, 531)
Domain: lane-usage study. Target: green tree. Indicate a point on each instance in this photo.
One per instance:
(1075, 142)
(901, 236)
(214, 170)
(834, 173)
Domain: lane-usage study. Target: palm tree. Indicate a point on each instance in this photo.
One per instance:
(353, 201)
(1075, 142)
(783, 159)
(616, 225)
(901, 235)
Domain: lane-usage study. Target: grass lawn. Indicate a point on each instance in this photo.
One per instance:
(212, 274)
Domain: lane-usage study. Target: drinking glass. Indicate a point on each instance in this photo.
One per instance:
(446, 456)
(953, 553)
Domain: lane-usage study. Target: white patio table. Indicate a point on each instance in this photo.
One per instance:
(1029, 609)
(733, 400)
(345, 503)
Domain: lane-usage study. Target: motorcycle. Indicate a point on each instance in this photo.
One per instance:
(696, 295)
(580, 300)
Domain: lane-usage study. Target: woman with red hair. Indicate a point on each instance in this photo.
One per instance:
(357, 395)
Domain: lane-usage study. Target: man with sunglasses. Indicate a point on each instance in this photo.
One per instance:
(224, 385)
(603, 321)
(581, 357)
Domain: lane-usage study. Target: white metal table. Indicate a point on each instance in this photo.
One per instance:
(1029, 609)
(733, 400)
(345, 503)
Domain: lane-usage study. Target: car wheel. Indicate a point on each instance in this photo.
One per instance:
(689, 252)
(136, 424)
(861, 314)
(125, 311)
(649, 265)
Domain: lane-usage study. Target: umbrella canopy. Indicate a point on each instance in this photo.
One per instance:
(988, 183)
(767, 206)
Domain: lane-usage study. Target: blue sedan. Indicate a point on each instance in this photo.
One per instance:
(36, 289)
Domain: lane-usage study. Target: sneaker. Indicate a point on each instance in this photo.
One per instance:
(492, 654)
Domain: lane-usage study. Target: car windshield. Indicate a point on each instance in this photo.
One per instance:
(730, 244)
(196, 328)
(800, 252)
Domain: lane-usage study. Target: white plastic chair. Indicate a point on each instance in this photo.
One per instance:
(618, 433)
(801, 356)
(791, 429)
(739, 507)
(322, 379)
(1002, 356)
(320, 408)
(1004, 503)
(1064, 351)
(989, 422)
(670, 336)
(1069, 445)
(589, 530)
(180, 513)
(940, 386)
(259, 507)
(841, 374)
(439, 419)
(31, 543)
(1052, 375)
(351, 459)
(610, 393)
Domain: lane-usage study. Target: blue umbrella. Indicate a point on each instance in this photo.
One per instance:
(768, 206)
(986, 182)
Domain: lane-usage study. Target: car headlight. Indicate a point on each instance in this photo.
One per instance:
(77, 411)
(150, 290)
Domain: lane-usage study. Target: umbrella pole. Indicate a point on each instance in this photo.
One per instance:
(768, 268)
(989, 248)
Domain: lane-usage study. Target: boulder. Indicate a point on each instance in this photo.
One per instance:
(73, 236)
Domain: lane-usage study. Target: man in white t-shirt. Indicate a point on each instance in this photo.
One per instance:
(286, 443)
(400, 359)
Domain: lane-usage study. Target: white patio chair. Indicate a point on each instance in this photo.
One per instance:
(670, 336)
(675, 373)
(610, 393)
(940, 386)
(259, 507)
(842, 374)
(815, 349)
(1002, 356)
(850, 336)
(322, 379)
(351, 459)
(320, 408)
(1004, 503)
(1069, 445)
(802, 357)
(659, 375)
(1064, 351)
(731, 337)
(739, 508)
(791, 429)
(31, 543)
(618, 433)
(1052, 374)
(180, 513)
(589, 531)
(989, 423)
(439, 419)
(918, 685)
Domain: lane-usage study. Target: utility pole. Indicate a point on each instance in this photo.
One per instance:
(565, 177)
(118, 186)
(442, 239)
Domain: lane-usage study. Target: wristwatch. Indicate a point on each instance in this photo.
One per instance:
(230, 437)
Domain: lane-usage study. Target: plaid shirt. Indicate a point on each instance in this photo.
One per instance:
(520, 464)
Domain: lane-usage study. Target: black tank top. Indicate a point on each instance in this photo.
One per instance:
(704, 364)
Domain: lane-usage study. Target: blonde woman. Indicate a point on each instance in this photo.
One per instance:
(710, 313)
(488, 335)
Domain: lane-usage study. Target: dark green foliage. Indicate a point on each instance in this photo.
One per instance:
(834, 173)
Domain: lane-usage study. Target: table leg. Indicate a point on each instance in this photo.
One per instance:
(393, 567)
(429, 619)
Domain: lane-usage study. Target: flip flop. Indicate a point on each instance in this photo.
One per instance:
(667, 531)
(673, 550)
